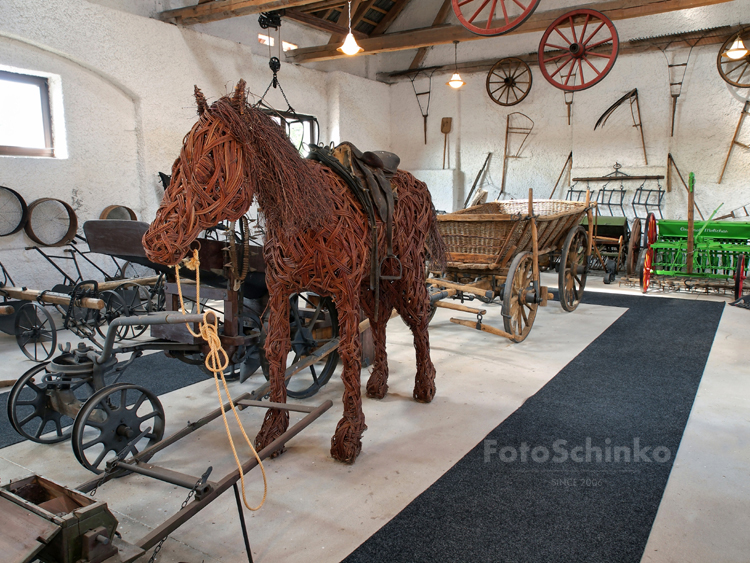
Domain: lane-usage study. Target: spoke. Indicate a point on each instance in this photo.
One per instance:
(139, 402)
(99, 459)
(507, 95)
(559, 47)
(585, 25)
(28, 419)
(492, 11)
(123, 399)
(560, 33)
(93, 442)
(741, 75)
(146, 417)
(525, 318)
(593, 67)
(601, 56)
(545, 61)
(41, 427)
(472, 18)
(570, 58)
(595, 45)
(570, 73)
(314, 374)
(505, 12)
(26, 336)
(573, 30)
(580, 72)
(586, 42)
(34, 387)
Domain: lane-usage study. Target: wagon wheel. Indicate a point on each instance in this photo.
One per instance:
(740, 274)
(475, 16)
(137, 301)
(114, 307)
(112, 418)
(574, 266)
(13, 211)
(578, 50)
(634, 245)
(313, 322)
(36, 334)
(30, 405)
(644, 268)
(509, 81)
(735, 72)
(651, 230)
(518, 312)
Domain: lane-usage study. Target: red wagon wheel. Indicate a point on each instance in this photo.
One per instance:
(740, 275)
(485, 17)
(509, 81)
(578, 50)
(650, 230)
(735, 71)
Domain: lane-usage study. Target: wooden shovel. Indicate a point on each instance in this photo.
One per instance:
(445, 128)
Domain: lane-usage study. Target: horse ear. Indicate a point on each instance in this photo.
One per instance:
(200, 99)
(239, 97)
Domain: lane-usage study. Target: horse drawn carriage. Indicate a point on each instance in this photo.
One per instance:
(494, 251)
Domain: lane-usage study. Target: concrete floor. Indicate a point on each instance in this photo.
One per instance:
(321, 510)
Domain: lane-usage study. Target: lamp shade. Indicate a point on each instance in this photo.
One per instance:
(455, 81)
(350, 46)
(737, 50)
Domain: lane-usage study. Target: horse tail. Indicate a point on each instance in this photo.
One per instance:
(435, 244)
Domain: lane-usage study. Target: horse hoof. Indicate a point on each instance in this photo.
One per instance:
(377, 391)
(346, 444)
(274, 425)
(424, 394)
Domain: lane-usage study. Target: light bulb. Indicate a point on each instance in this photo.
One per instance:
(455, 81)
(737, 50)
(350, 46)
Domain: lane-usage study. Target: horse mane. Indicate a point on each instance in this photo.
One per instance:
(291, 191)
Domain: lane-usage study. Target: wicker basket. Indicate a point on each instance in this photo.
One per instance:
(486, 237)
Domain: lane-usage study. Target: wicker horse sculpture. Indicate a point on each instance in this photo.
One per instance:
(317, 239)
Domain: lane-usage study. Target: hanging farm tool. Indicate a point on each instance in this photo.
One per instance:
(745, 111)
(523, 127)
(635, 108)
(445, 128)
(424, 108)
(476, 180)
(567, 167)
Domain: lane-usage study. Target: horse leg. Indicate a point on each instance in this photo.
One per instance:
(347, 440)
(377, 385)
(276, 348)
(414, 308)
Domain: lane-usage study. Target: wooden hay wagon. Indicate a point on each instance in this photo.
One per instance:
(494, 250)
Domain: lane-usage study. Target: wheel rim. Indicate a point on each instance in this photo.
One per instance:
(574, 53)
(646, 273)
(13, 211)
(137, 301)
(634, 244)
(735, 72)
(313, 323)
(113, 417)
(30, 407)
(509, 81)
(518, 313)
(493, 17)
(739, 277)
(573, 269)
(651, 231)
(35, 332)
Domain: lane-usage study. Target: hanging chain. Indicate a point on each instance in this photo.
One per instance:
(198, 483)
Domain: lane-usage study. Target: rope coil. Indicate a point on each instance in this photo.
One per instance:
(216, 362)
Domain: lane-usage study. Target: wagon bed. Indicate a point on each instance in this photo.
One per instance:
(485, 238)
(493, 251)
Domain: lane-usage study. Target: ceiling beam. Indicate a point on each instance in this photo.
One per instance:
(321, 24)
(389, 18)
(326, 4)
(440, 18)
(715, 36)
(425, 37)
(224, 9)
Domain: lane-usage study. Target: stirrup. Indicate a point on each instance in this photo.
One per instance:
(400, 271)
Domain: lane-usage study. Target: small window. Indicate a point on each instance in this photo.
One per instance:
(268, 40)
(25, 127)
(302, 130)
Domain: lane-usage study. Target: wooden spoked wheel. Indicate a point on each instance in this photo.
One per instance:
(740, 275)
(116, 418)
(578, 50)
(645, 268)
(519, 310)
(509, 81)
(495, 17)
(634, 247)
(735, 72)
(574, 267)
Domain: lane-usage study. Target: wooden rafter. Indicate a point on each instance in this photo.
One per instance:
(425, 37)
(626, 48)
(321, 24)
(440, 18)
(325, 5)
(389, 18)
(224, 9)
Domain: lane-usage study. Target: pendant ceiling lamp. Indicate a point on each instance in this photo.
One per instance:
(455, 81)
(350, 46)
(737, 51)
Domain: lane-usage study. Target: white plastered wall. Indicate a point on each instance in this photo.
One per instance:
(707, 113)
(127, 84)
